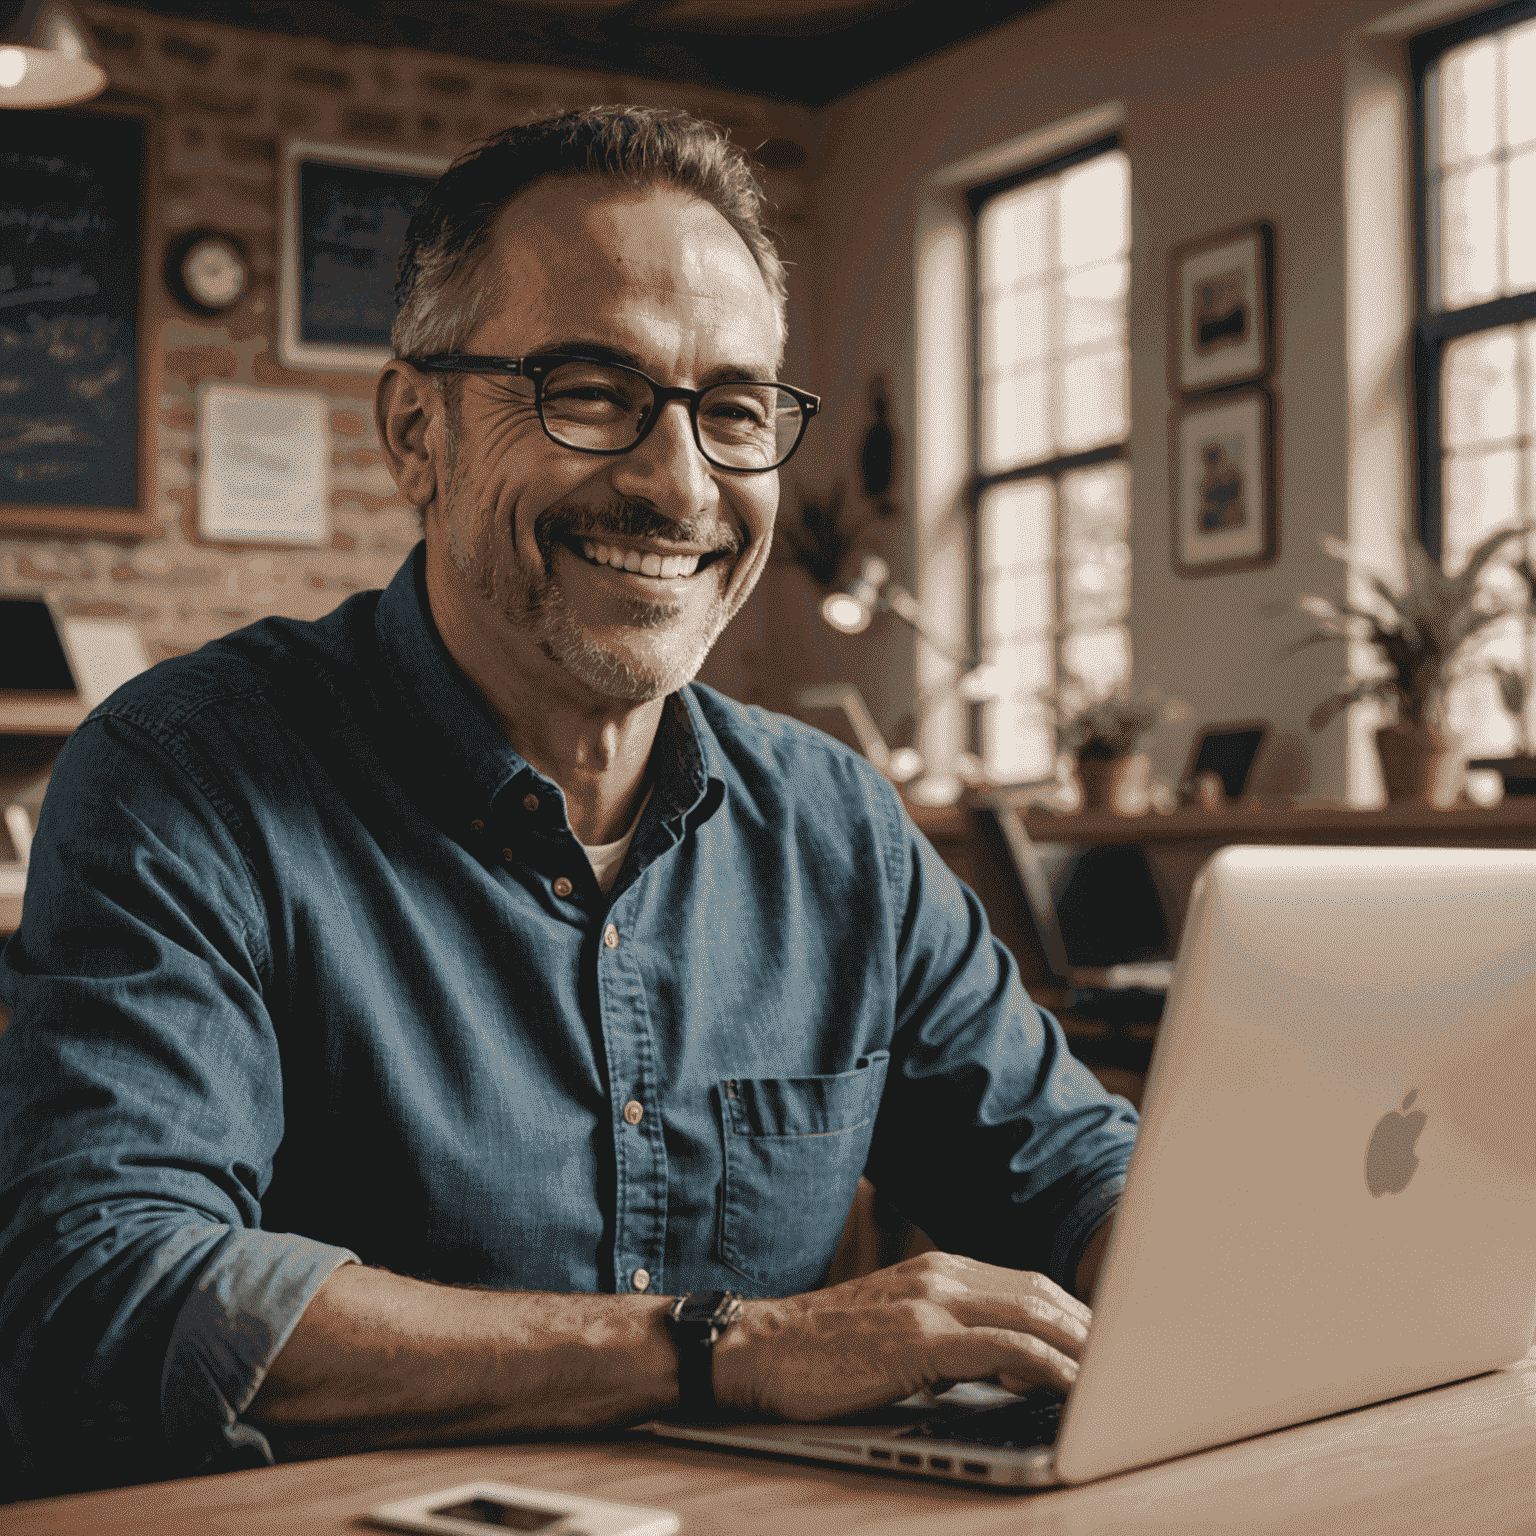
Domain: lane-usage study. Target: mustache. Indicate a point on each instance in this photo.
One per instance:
(632, 519)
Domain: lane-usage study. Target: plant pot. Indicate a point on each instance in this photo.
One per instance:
(1114, 784)
(1419, 764)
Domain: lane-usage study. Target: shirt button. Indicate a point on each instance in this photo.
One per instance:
(477, 825)
(611, 936)
(530, 802)
(641, 1279)
(507, 855)
(633, 1111)
(562, 886)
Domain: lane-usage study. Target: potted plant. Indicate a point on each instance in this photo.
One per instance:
(1519, 770)
(1101, 731)
(1421, 632)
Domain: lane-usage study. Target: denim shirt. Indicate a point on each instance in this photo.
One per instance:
(301, 980)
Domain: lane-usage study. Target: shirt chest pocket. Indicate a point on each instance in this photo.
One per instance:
(794, 1150)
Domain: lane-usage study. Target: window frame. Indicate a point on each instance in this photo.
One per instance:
(978, 481)
(1432, 328)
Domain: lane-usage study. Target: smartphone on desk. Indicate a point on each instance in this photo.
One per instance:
(471, 1509)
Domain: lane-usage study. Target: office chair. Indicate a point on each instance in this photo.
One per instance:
(1120, 992)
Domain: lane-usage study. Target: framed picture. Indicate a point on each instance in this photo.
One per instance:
(1222, 455)
(1220, 310)
(73, 456)
(345, 211)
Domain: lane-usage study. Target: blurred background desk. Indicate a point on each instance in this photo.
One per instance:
(1175, 847)
(33, 728)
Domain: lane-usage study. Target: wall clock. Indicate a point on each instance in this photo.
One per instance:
(207, 271)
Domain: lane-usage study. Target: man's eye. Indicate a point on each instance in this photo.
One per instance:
(743, 410)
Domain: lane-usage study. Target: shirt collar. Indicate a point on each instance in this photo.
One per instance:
(457, 726)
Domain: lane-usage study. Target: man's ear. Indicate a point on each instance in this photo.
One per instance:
(408, 412)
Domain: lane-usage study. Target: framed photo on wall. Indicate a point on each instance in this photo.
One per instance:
(345, 211)
(1222, 453)
(1220, 310)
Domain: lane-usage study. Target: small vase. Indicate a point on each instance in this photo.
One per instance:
(1419, 764)
(1114, 784)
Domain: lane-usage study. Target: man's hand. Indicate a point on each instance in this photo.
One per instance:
(925, 1323)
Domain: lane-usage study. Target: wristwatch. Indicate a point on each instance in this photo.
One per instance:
(697, 1319)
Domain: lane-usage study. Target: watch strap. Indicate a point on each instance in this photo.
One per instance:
(697, 1319)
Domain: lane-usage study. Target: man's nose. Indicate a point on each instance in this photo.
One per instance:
(668, 470)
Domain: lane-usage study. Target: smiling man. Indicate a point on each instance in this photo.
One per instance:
(410, 1007)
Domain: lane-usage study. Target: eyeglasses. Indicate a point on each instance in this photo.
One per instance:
(746, 427)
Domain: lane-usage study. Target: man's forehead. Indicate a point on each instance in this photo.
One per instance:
(570, 243)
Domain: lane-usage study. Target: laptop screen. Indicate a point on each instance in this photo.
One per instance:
(31, 655)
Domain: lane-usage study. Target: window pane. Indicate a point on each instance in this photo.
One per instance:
(1018, 525)
(1093, 405)
(1096, 557)
(1012, 234)
(1479, 394)
(1013, 420)
(1482, 490)
(1093, 303)
(1469, 236)
(1520, 216)
(1095, 210)
(1016, 541)
(1018, 742)
(1468, 101)
(1101, 657)
(1519, 75)
(1013, 328)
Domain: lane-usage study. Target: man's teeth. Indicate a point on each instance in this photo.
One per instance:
(646, 565)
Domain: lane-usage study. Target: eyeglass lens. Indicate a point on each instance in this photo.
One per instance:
(741, 425)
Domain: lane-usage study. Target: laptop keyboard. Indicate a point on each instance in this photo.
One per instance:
(1031, 1421)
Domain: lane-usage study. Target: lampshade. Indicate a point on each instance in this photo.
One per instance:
(44, 58)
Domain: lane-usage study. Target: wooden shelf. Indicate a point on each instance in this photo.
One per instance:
(28, 713)
(1510, 824)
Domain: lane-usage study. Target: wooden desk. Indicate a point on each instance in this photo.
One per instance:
(1451, 1462)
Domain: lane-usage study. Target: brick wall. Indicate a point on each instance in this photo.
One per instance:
(218, 100)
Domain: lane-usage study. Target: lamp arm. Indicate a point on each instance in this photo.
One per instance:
(906, 608)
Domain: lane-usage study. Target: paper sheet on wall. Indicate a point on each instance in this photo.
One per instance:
(264, 457)
(103, 655)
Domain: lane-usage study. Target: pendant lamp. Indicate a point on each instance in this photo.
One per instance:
(45, 60)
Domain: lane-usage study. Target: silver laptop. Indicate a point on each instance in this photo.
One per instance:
(1332, 1199)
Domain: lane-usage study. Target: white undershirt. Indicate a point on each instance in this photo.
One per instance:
(606, 858)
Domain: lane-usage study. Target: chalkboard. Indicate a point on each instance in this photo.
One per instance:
(70, 188)
(345, 214)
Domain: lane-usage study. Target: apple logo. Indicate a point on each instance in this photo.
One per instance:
(1390, 1160)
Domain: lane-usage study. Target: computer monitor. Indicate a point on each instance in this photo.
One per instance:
(1229, 751)
(32, 658)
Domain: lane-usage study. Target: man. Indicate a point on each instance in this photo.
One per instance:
(460, 935)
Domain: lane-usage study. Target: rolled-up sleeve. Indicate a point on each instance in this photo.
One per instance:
(141, 1105)
(992, 1137)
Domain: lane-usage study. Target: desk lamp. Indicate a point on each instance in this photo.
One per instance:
(44, 58)
(870, 592)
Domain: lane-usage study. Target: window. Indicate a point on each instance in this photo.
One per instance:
(1051, 485)
(1475, 338)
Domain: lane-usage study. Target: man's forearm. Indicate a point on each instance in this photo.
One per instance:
(379, 1359)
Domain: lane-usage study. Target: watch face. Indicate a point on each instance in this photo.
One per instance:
(214, 273)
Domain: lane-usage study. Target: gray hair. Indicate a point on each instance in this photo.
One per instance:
(438, 304)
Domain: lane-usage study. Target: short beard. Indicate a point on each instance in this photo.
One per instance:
(534, 602)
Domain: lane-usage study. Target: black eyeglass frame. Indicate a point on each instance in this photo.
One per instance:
(537, 366)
